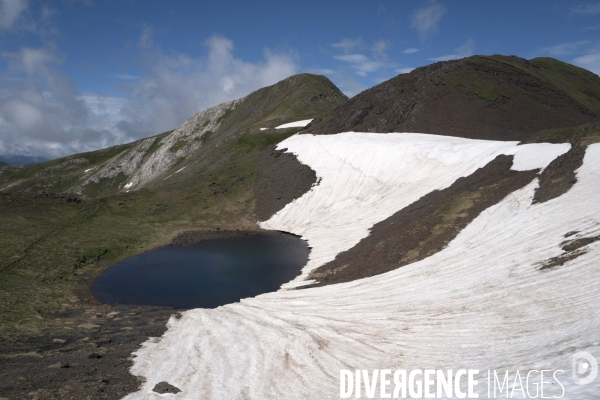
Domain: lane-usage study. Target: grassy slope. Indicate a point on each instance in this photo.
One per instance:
(584, 134)
(61, 174)
(479, 97)
(51, 248)
(577, 82)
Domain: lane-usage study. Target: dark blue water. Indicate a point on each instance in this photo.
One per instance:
(205, 275)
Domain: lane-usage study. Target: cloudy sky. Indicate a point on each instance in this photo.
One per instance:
(78, 75)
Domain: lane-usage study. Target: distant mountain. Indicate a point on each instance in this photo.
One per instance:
(2, 163)
(484, 97)
(20, 160)
(202, 144)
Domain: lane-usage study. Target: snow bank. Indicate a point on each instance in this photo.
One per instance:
(297, 124)
(481, 303)
(366, 177)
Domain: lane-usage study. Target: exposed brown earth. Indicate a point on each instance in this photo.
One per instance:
(426, 226)
(496, 97)
(194, 237)
(281, 179)
(560, 175)
(572, 249)
(88, 358)
(165, 387)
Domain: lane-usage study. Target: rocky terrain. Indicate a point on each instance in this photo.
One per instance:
(226, 171)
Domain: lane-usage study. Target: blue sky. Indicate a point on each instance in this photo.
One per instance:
(78, 75)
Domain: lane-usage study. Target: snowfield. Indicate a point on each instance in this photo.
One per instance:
(296, 124)
(480, 303)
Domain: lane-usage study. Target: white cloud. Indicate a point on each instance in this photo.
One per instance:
(176, 86)
(104, 107)
(361, 64)
(426, 19)
(350, 87)
(465, 50)
(146, 37)
(410, 50)
(31, 61)
(42, 113)
(590, 61)
(586, 9)
(404, 70)
(320, 71)
(10, 10)
(379, 48)
(590, 28)
(348, 45)
(564, 48)
(126, 77)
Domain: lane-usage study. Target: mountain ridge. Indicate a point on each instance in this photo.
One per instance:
(17, 159)
(150, 161)
(220, 174)
(479, 97)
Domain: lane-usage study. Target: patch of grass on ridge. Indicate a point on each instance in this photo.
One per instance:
(254, 141)
(178, 145)
(225, 115)
(205, 137)
(470, 83)
(154, 146)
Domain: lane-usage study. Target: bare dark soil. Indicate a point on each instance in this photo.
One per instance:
(496, 98)
(560, 175)
(572, 249)
(426, 226)
(165, 387)
(281, 179)
(88, 358)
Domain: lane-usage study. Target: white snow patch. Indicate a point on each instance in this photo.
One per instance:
(375, 175)
(263, 129)
(179, 170)
(481, 303)
(130, 184)
(87, 170)
(297, 124)
(529, 157)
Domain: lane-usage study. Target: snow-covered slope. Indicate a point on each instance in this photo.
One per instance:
(481, 303)
(295, 124)
(366, 177)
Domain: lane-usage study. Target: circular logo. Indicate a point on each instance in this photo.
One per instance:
(584, 368)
